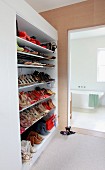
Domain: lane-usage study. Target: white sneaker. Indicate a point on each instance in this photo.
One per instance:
(33, 149)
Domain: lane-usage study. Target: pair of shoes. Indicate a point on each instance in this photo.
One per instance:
(24, 80)
(50, 103)
(33, 39)
(43, 109)
(23, 34)
(30, 50)
(24, 100)
(67, 132)
(51, 57)
(31, 115)
(33, 133)
(27, 150)
(30, 97)
(26, 50)
(46, 56)
(50, 46)
(22, 130)
(42, 77)
(25, 120)
(41, 128)
(46, 105)
(34, 138)
(20, 48)
(28, 118)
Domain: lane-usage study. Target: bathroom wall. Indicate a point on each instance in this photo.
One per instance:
(84, 69)
(84, 63)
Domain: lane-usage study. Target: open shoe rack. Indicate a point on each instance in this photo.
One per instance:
(24, 69)
(34, 25)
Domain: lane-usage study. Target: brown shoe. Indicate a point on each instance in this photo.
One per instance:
(32, 133)
(33, 140)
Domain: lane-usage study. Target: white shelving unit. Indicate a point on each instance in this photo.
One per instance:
(52, 71)
(31, 22)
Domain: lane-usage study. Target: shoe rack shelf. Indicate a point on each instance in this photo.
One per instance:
(29, 21)
(40, 148)
(35, 84)
(33, 55)
(36, 47)
(39, 119)
(32, 66)
(39, 101)
(49, 58)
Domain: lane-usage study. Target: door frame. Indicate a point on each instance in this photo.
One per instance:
(69, 97)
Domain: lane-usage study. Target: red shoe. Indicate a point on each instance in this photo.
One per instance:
(37, 41)
(33, 40)
(22, 130)
(46, 106)
(23, 34)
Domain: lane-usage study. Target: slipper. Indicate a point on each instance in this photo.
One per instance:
(63, 132)
(67, 132)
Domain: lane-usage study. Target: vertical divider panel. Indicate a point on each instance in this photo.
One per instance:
(10, 149)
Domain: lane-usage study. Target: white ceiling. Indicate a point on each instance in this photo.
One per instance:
(45, 5)
(88, 32)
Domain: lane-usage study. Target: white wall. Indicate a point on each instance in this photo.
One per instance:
(84, 68)
(84, 63)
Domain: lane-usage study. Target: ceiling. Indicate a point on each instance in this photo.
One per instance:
(88, 32)
(45, 5)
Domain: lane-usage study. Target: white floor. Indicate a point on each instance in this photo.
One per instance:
(92, 119)
(74, 152)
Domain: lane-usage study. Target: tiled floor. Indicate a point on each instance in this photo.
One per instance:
(89, 119)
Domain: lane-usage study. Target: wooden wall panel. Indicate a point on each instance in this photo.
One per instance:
(85, 14)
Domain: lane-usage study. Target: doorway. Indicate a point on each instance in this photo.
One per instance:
(86, 78)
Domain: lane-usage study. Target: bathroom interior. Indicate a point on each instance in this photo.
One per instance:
(87, 78)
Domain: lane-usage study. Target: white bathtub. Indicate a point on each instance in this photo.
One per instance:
(80, 99)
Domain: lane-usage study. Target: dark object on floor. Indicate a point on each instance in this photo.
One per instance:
(68, 131)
